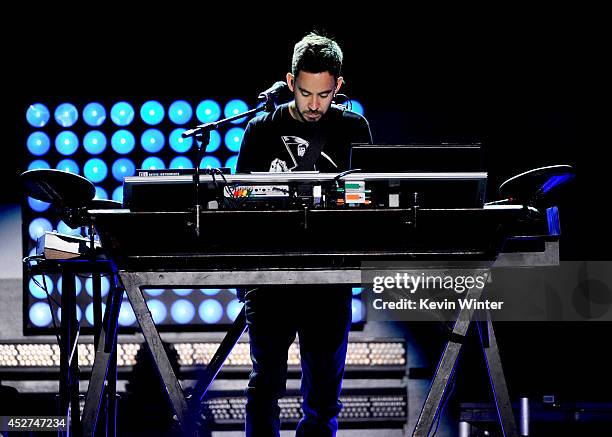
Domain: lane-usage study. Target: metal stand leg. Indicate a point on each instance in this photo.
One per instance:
(104, 349)
(496, 377)
(445, 369)
(111, 396)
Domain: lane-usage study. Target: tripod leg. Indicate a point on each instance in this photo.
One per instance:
(496, 377)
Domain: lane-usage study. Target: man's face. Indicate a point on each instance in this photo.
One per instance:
(313, 93)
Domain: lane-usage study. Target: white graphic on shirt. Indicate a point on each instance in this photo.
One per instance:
(278, 166)
(295, 146)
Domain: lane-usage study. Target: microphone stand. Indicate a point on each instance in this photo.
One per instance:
(201, 134)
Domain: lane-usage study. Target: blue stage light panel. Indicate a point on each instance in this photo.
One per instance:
(94, 142)
(181, 162)
(89, 313)
(78, 286)
(63, 228)
(182, 291)
(104, 286)
(235, 107)
(357, 310)
(182, 311)
(215, 142)
(233, 139)
(210, 162)
(356, 107)
(40, 314)
(210, 311)
(95, 170)
(38, 227)
(210, 291)
(38, 143)
(158, 309)
(233, 309)
(66, 143)
(152, 163)
(123, 142)
(38, 115)
(39, 292)
(38, 205)
(79, 314)
(357, 290)
(122, 113)
(123, 167)
(177, 142)
(231, 163)
(152, 112)
(118, 194)
(66, 115)
(180, 112)
(152, 140)
(208, 111)
(38, 163)
(101, 193)
(68, 165)
(154, 291)
(233, 291)
(94, 114)
(126, 314)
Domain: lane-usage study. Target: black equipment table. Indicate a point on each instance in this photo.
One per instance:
(278, 247)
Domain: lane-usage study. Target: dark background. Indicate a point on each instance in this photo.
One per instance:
(528, 85)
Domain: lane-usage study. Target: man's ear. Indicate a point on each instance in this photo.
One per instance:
(291, 82)
(339, 83)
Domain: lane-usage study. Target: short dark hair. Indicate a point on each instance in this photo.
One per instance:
(316, 53)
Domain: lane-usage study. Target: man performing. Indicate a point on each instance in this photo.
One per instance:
(309, 133)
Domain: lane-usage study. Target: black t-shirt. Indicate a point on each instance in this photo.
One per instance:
(277, 142)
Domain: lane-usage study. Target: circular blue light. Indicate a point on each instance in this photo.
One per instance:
(95, 170)
(104, 286)
(101, 193)
(94, 114)
(39, 292)
(210, 162)
(66, 143)
(182, 291)
(126, 314)
(38, 205)
(154, 291)
(122, 168)
(68, 165)
(233, 309)
(79, 314)
(215, 142)
(356, 310)
(94, 142)
(63, 228)
(152, 140)
(210, 311)
(357, 290)
(89, 313)
(118, 194)
(38, 143)
(158, 310)
(152, 163)
(233, 139)
(40, 314)
(178, 143)
(233, 291)
(182, 311)
(152, 112)
(210, 291)
(78, 286)
(123, 141)
(208, 111)
(231, 163)
(235, 107)
(66, 115)
(181, 162)
(38, 115)
(38, 227)
(38, 163)
(180, 112)
(122, 113)
(356, 107)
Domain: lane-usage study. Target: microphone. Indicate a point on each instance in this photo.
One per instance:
(272, 91)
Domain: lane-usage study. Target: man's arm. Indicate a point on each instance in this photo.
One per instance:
(248, 156)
